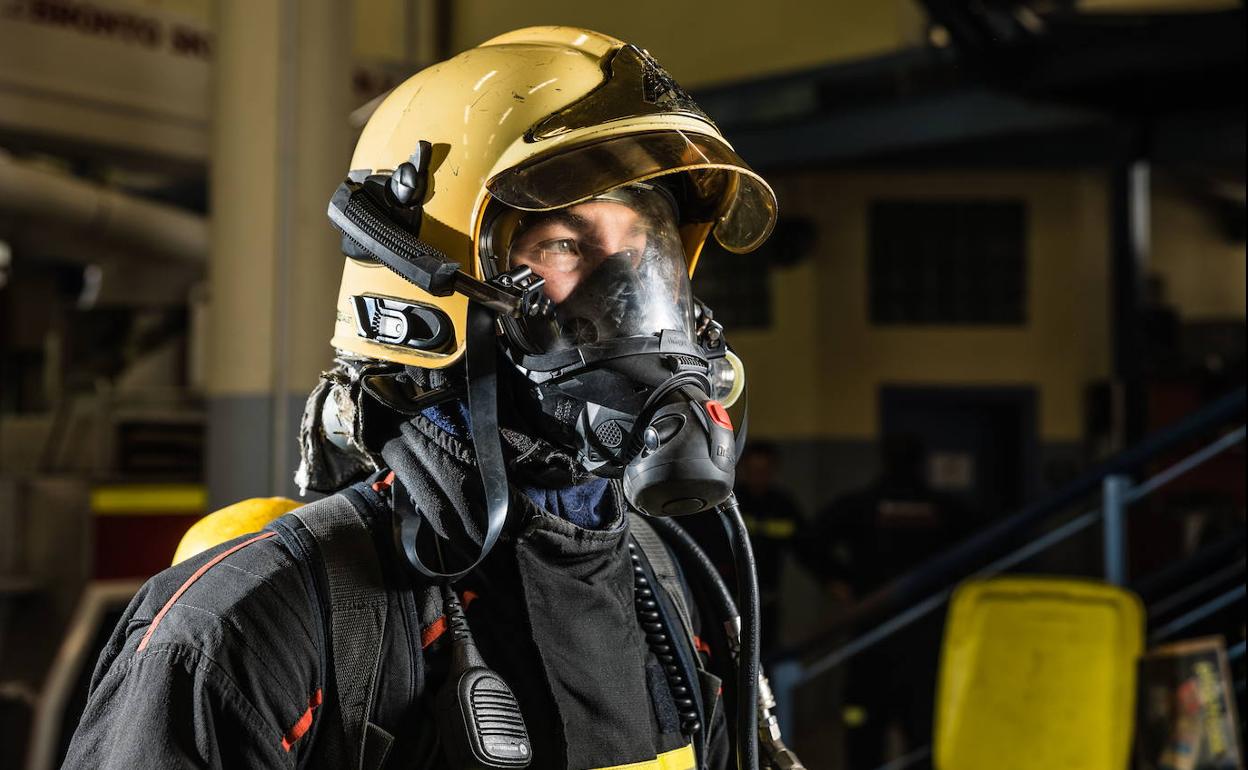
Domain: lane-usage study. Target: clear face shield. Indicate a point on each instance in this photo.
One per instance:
(614, 267)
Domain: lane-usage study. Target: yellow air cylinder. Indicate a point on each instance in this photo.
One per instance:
(231, 521)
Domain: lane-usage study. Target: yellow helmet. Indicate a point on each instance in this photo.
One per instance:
(534, 120)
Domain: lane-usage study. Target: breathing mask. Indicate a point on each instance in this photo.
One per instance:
(626, 369)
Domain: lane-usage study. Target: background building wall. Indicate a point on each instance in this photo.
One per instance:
(815, 374)
(738, 39)
(1201, 264)
(842, 358)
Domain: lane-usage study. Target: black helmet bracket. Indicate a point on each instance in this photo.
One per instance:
(379, 216)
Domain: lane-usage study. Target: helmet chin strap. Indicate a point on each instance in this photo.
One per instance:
(482, 370)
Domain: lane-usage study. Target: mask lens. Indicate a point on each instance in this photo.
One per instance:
(614, 267)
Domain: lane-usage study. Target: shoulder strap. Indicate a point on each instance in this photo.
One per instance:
(357, 621)
(664, 568)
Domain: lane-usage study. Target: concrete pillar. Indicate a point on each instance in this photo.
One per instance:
(280, 144)
(1130, 209)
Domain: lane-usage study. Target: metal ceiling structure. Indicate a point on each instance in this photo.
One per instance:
(1014, 85)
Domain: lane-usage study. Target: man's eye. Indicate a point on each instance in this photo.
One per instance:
(558, 246)
(561, 254)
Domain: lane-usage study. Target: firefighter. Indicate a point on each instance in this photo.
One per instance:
(524, 388)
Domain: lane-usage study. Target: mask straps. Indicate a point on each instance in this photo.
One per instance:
(481, 361)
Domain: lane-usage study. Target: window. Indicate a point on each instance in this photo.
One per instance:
(947, 262)
(736, 287)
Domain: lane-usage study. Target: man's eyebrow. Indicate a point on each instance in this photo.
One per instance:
(567, 218)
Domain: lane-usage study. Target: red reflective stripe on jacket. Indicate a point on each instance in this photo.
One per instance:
(384, 484)
(300, 728)
(438, 627)
(196, 575)
(431, 634)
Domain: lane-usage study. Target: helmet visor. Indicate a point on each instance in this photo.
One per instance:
(722, 189)
(614, 267)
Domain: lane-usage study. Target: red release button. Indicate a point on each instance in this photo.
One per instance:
(719, 415)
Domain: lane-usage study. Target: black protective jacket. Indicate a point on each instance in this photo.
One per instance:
(220, 661)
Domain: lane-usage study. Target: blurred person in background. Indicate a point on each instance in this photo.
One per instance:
(773, 518)
(860, 542)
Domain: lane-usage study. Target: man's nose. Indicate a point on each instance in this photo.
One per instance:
(611, 241)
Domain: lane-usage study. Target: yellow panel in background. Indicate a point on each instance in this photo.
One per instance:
(1038, 673)
(148, 499)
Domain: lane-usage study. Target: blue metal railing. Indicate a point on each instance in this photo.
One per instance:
(926, 588)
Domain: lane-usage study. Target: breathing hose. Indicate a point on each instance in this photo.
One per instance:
(683, 543)
(747, 660)
(775, 754)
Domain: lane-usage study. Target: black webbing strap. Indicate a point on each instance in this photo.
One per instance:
(664, 568)
(481, 365)
(357, 597)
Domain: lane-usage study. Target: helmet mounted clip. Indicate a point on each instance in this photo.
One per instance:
(379, 219)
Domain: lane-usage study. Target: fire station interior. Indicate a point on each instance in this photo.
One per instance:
(1001, 318)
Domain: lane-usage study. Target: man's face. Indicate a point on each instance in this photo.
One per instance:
(565, 247)
(614, 267)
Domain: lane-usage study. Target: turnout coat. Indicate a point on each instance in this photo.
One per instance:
(271, 651)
